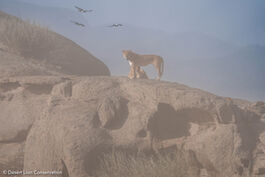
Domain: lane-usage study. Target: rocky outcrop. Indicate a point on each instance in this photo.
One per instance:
(67, 122)
(22, 100)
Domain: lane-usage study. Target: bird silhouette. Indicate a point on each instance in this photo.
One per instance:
(77, 23)
(115, 25)
(83, 10)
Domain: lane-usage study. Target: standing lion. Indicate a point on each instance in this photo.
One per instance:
(136, 61)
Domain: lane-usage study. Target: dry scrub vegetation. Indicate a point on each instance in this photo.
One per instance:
(120, 164)
(26, 38)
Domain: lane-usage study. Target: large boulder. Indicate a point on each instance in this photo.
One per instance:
(83, 118)
(22, 100)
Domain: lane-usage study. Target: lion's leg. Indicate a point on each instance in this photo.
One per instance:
(159, 72)
(132, 74)
(134, 71)
(158, 69)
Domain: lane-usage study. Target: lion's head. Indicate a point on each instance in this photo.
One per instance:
(126, 54)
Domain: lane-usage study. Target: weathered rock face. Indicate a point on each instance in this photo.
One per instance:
(22, 100)
(74, 119)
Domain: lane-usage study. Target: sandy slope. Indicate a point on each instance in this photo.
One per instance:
(54, 53)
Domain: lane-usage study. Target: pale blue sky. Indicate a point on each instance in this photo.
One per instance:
(240, 21)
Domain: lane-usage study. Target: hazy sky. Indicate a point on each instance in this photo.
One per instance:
(240, 21)
(206, 44)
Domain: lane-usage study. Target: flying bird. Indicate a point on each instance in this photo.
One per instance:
(77, 23)
(83, 10)
(116, 25)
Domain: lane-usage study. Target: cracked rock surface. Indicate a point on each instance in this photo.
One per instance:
(65, 123)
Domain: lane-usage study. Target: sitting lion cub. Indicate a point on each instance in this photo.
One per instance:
(140, 73)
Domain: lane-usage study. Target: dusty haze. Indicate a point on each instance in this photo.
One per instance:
(67, 111)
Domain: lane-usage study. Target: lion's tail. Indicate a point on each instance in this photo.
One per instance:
(162, 66)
